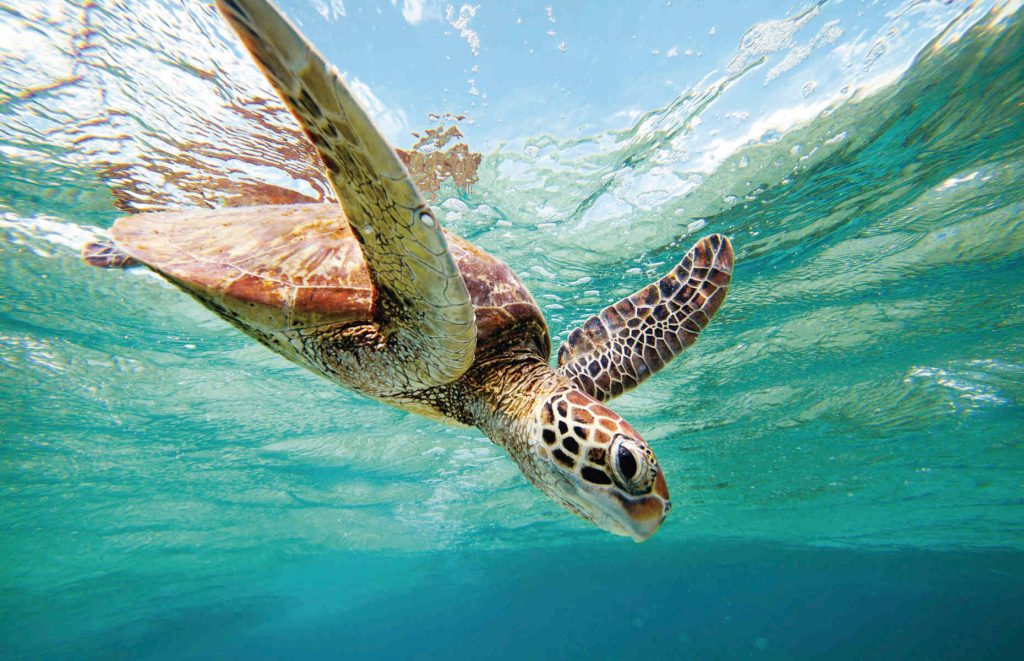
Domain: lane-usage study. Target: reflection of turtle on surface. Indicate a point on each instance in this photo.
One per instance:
(432, 160)
(380, 299)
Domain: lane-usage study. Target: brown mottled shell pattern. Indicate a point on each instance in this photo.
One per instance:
(373, 294)
(282, 267)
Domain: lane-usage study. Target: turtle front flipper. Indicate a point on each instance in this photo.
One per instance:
(627, 342)
(422, 307)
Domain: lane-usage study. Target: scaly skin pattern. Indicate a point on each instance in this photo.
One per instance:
(106, 255)
(626, 343)
(565, 442)
(425, 313)
(377, 298)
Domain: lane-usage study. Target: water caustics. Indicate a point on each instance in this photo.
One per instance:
(861, 387)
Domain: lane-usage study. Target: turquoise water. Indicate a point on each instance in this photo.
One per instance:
(844, 444)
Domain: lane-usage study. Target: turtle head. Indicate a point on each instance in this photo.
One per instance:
(596, 465)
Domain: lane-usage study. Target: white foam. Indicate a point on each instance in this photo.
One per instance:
(40, 231)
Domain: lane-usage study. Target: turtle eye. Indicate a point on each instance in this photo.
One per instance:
(627, 462)
(631, 467)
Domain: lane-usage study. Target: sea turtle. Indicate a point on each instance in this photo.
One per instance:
(378, 298)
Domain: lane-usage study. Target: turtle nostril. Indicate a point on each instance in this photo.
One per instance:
(661, 488)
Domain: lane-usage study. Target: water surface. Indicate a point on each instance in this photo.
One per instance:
(843, 444)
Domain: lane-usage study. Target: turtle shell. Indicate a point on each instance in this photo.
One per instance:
(278, 267)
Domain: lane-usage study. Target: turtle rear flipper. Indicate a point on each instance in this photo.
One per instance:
(624, 344)
(105, 255)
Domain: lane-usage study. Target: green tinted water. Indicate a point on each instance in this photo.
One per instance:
(861, 388)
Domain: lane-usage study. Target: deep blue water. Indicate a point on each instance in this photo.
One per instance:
(844, 444)
(718, 600)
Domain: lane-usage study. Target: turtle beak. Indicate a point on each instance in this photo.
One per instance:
(647, 512)
(637, 517)
(640, 517)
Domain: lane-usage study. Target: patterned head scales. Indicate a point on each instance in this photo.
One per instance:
(597, 466)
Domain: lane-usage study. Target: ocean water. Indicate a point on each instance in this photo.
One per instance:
(844, 444)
